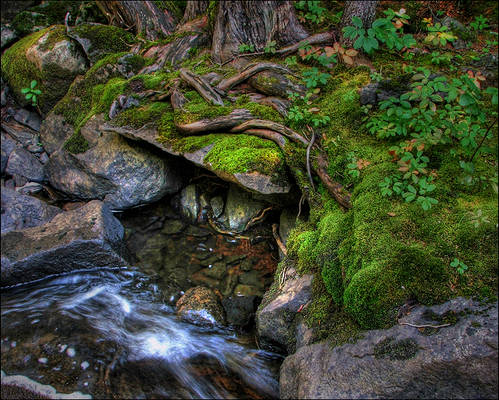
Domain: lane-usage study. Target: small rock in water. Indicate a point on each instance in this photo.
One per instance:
(13, 344)
(63, 347)
(42, 360)
(71, 352)
(84, 365)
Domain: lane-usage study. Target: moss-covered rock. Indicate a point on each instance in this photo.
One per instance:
(47, 56)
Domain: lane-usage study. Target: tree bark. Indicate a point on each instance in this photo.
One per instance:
(254, 23)
(143, 16)
(194, 9)
(365, 10)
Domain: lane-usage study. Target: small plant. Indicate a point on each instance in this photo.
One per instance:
(440, 59)
(311, 11)
(376, 76)
(345, 55)
(459, 265)
(290, 61)
(439, 34)
(246, 48)
(314, 77)
(31, 93)
(270, 48)
(355, 165)
(477, 218)
(480, 23)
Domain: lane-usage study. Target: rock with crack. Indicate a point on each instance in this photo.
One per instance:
(455, 361)
(122, 174)
(87, 237)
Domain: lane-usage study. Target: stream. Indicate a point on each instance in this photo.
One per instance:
(114, 333)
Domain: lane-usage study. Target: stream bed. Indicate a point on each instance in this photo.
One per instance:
(114, 333)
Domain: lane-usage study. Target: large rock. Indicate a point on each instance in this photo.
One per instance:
(47, 56)
(189, 202)
(199, 305)
(458, 361)
(240, 208)
(240, 310)
(113, 169)
(7, 146)
(276, 319)
(20, 211)
(21, 162)
(88, 237)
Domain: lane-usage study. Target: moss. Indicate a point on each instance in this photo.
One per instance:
(76, 144)
(138, 117)
(18, 71)
(392, 349)
(25, 22)
(176, 8)
(104, 39)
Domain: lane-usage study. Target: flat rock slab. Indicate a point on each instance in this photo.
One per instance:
(403, 362)
(20, 211)
(88, 237)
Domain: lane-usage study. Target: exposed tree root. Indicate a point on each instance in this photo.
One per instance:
(270, 125)
(177, 98)
(248, 72)
(336, 189)
(325, 37)
(223, 123)
(203, 88)
(309, 147)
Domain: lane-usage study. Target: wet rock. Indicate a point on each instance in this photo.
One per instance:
(200, 279)
(20, 211)
(303, 334)
(215, 271)
(4, 93)
(199, 305)
(240, 310)
(251, 278)
(488, 66)
(30, 188)
(88, 237)
(172, 227)
(44, 158)
(19, 180)
(150, 255)
(20, 133)
(28, 118)
(276, 318)
(122, 103)
(121, 173)
(373, 93)
(25, 164)
(229, 283)
(217, 206)
(7, 36)
(247, 290)
(240, 208)
(247, 265)
(189, 203)
(458, 361)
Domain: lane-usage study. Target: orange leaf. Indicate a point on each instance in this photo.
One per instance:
(348, 60)
(404, 169)
(351, 52)
(337, 46)
(362, 163)
(398, 24)
(420, 147)
(329, 51)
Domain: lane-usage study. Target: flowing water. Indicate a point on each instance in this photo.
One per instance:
(111, 333)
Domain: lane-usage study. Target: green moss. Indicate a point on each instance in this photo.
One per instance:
(24, 22)
(403, 349)
(18, 71)
(140, 116)
(76, 144)
(104, 39)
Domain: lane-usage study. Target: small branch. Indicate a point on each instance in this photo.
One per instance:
(325, 37)
(259, 217)
(278, 240)
(424, 326)
(309, 147)
(202, 87)
(483, 139)
(335, 188)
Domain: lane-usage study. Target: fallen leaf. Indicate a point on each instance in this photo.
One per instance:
(314, 110)
(348, 60)
(391, 214)
(351, 52)
(329, 51)
(362, 163)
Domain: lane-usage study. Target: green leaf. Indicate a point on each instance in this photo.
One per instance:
(33, 84)
(466, 100)
(28, 96)
(25, 90)
(356, 21)
(454, 263)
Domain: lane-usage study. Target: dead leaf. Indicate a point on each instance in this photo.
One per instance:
(391, 214)
(404, 169)
(362, 163)
(329, 51)
(314, 110)
(351, 52)
(348, 60)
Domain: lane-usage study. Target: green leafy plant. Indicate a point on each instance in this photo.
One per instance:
(480, 23)
(311, 11)
(314, 78)
(290, 61)
(439, 34)
(355, 165)
(270, 48)
(459, 265)
(246, 48)
(31, 93)
(440, 59)
(387, 31)
(376, 76)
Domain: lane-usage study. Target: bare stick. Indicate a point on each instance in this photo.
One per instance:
(278, 240)
(223, 123)
(274, 126)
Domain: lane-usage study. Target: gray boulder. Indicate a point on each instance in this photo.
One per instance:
(20, 211)
(87, 237)
(21, 162)
(7, 145)
(113, 169)
(276, 318)
(28, 118)
(54, 131)
(456, 361)
(240, 310)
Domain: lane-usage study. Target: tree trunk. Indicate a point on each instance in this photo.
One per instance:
(365, 10)
(254, 23)
(194, 9)
(143, 16)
